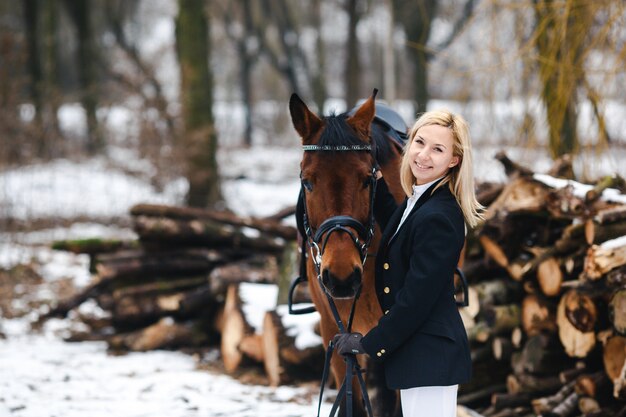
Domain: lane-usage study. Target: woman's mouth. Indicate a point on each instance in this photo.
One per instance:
(420, 166)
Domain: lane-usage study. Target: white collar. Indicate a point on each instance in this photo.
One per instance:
(418, 190)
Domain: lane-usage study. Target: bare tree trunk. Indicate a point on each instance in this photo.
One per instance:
(416, 17)
(389, 57)
(353, 66)
(80, 11)
(319, 80)
(51, 90)
(561, 32)
(31, 22)
(196, 96)
(246, 71)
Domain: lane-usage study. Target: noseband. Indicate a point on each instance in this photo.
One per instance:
(363, 237)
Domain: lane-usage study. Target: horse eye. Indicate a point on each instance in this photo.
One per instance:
(306, 184)
(367, 182)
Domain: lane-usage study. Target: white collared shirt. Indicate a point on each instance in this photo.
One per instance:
(418, 190)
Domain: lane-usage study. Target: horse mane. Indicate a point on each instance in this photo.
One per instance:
(338, 132)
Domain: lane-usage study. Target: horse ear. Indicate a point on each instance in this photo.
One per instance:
(361, 120)
(304, 121)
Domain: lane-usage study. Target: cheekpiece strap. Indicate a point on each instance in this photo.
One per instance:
(339, 148)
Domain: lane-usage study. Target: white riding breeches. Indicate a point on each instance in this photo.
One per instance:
(429, 401)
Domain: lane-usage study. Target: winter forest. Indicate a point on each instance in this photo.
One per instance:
(149, 171)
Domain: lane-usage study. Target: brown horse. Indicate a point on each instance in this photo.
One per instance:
(338, 183)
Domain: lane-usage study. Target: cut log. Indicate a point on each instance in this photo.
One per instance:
(252, 346)
(550, 276)
(492, 292)
(519, 195)
(141, 265)
(590, 385)
(502, 318)
(206, 233)
(563, 167)
(494, 250)
(588, 406)
(617, 277)
(617, 311)
(487, 192)
(135, 309)
(166, 334)
(614, 359)
(234, 329)
(64, 306)
(501, 400)
(501, 348)
(517, 383)
(611, 214)
(542, 354)
(563, 203)
(605, 257)
(571, 374)
(565, 407)
(480, 394)
(260, 269)
(94, 246)
(518, 337)
(285, 360)
(538, 314)
(576, 318)
(609, 181)
(599, 233)
(512, 169)
(159, 286)
(268, 225)
(546, 404)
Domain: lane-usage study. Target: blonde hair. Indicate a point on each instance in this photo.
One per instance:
(460, 178)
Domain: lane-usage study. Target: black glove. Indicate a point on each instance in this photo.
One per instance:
(348, 343)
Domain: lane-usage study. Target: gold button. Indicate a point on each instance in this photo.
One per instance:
(385, 265)
(386, 290)
(386, 311)
(379, 354)
(382, 351)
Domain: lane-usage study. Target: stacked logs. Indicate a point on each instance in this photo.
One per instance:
(197, 279)
(547, 313)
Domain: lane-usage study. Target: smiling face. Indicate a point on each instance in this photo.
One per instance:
(430, 153)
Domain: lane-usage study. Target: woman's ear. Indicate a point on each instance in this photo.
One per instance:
(455, 161)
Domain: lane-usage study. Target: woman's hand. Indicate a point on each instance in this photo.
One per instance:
(348, 343)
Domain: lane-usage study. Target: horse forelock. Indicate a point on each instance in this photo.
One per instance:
(338, 132)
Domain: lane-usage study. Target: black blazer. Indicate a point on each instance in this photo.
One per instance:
(420, 338)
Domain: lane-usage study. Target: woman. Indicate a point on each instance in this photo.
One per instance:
(420, 338)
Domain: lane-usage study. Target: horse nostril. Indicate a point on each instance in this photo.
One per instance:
(325, 278)
(357, 278)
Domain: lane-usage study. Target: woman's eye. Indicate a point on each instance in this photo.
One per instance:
(306, 184)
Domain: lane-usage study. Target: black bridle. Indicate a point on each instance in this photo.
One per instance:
(317, 240)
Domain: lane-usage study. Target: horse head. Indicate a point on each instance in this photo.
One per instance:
(338, 181)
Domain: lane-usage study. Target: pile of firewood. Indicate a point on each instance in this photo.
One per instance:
(547, 300)
(200, 278)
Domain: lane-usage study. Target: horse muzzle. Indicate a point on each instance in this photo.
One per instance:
(346, 287)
